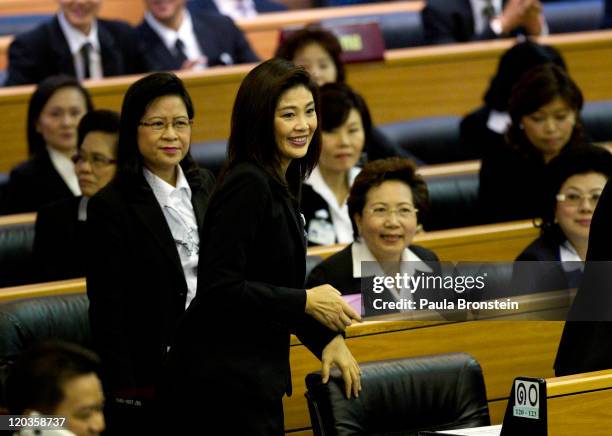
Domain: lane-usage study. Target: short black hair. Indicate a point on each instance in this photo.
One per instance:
(135, 103)
(337, 100)
(375, 173)
(252, 134)
(538, 87)
(100, 120)
(309, 35)
(579, 160)
(43, 93)
(37, 377)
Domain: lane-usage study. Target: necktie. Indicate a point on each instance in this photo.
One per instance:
(85, 50)
(179, 47)
(488, 11)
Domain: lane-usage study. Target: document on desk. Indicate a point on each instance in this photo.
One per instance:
(494, 430)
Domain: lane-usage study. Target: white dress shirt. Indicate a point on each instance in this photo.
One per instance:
(175, 203)
(185, 33)
(76, 39)
(236, 9)
(65, 168)
(339, 213)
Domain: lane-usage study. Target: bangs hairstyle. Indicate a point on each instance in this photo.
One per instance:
(313, 35)
(101, 120)
(37, 377)
(538, 87)
(375, 173)
(138, 98)
(252, 131)
(337, 100)
(40, 97)
(580, 160)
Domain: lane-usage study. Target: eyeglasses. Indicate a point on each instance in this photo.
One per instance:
(575, 200)
(95, 160)
(386, 212)
(159, 125)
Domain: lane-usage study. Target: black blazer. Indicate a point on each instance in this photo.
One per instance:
(59, 241)
(135, 280)
(585, 343)
(44, 51)
(477, 139)
(34, 184)
(260, 5)
(230, 357)
(451, 21)
(220, 41)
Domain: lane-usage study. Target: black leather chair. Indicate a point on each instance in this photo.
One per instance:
(597, 119)
(431, 139)
(574, 16)
(210, 154)
(23, 323)
(16, 254)
(454, 202)
(402, 397)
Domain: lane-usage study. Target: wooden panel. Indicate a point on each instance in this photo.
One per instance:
(584, 413)
(490, 242)
(529, 347)
(418, 82)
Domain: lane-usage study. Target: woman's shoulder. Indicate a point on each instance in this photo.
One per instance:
(337, 268)
(541, 249)
(32, 166)
(423, 253)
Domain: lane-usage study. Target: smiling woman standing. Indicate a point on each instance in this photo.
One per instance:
(229, 364)
(143, 231)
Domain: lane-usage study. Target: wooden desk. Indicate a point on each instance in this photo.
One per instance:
(419, 82)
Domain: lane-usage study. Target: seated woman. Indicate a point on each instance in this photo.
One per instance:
(54, 112)
(346, 127)
(319, 52)
(574, 183)
(482, 131)
(544, 108)
(60, 227)
(383, 204)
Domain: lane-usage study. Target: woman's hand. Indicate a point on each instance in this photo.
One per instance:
(325, 304)
(337, 353)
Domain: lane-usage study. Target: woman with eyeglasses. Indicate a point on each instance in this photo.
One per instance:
(386, 203)
(544, 109)
(144, 243)
(54, 112)
(59, 237)
(228, 368)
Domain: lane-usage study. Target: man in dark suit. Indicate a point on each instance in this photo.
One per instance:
(77, 43)
(238, 9)
(174, 39)
(470, 20)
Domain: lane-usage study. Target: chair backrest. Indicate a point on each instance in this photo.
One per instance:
(597, 119)
(574, 16)
(431, 139)
(454, 202)
(16, 242)
(23, 323)
(16, 24)
(210, 154)
(402, 397)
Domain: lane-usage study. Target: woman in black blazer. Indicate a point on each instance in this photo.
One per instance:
(385, 202)
(229, 363)
(143, 246)
(59, 236)
(54, 112)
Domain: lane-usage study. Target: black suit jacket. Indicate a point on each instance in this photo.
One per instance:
(477, 139)
(59, 241)
(451, 21)
(260, 5)
(585, 343)
(337, 270)
(216, 34)
(135, 281)
(44, 51)
(230, 356)
(34, 184)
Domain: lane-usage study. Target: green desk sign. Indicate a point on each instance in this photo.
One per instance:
(526, 410)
